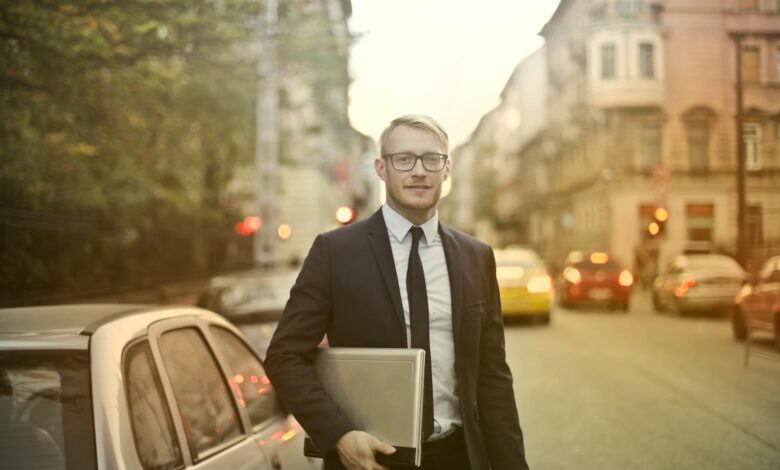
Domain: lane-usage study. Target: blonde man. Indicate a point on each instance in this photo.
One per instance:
(402, 279)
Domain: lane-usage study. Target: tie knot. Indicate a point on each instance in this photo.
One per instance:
(417, 232)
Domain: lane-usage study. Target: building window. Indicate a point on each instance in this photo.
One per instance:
(751, 65)
(700, 221)
(649, 146)
(628, 7)
(698, 147)
(751, 136)
(777, 62)
(646, 60)
(608, 61)
(748, 5)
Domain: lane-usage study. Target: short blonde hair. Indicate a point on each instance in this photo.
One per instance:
(417, 121)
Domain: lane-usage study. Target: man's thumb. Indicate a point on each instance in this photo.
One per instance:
(383, 448)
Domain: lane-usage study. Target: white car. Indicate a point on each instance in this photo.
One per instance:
(699, 282)
(122, 386)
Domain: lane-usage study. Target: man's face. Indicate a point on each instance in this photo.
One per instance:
(415, 193)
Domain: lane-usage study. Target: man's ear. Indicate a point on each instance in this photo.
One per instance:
(447, 169)
(380, 168)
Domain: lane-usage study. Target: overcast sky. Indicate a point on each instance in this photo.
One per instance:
(449, 59)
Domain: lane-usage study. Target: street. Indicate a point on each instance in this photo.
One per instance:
(605, 390)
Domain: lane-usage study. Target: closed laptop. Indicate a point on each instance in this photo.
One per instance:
(380, 390)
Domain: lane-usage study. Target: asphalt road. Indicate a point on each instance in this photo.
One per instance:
(603, 390)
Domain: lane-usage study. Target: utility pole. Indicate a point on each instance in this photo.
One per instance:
(267, 136)
(741, 245)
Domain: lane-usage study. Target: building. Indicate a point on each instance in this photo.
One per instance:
(485, 199)
(641, 113)
(323, 162)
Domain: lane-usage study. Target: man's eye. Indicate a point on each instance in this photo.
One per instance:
(403, 158)
(432, 159)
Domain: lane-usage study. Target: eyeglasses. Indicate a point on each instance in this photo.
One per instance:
(407, 161)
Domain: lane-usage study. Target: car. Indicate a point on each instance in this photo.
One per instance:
(524, 284)
(131, 386)
(595, 278)
(760, 303)
(705, 283)
(250, 296)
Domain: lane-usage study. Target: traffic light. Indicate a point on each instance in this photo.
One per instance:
(249, 225)
(656, 227)
(345, 215)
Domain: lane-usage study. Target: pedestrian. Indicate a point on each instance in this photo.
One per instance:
(402, 279)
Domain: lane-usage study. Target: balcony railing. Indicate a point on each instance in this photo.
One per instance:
(613, 10)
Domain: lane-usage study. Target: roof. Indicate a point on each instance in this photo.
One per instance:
(558, 12)
(63, 319)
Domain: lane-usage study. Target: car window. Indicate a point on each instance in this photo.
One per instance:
(772, 277)
(705, 262)
(247, 377)
(150, 417)
(206, 408)
(46, 410)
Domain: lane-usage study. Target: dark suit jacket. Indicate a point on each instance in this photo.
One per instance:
(348, 288)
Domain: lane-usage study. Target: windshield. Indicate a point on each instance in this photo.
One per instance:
(45, 410)
(712, 262)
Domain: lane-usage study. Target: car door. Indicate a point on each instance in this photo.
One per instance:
(209, 421)
(277, 435)
(765, 294)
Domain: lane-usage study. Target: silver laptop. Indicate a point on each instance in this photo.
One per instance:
(381, 392)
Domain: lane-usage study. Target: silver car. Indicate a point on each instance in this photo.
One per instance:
(699, 282)
(122, 386)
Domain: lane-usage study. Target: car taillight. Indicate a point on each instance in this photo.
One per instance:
(572, 275)
(625, 279)
(539, 284)
(684, 286)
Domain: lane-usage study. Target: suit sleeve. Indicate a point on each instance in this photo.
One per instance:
(495, 396)
(291, 352)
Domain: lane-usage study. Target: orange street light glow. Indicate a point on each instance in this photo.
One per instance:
(653, 228)
(284, 231)
(661, 214)
(345, 214)
(599, 258)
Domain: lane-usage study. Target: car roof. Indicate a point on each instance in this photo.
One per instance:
(65, 319)
(251, 275)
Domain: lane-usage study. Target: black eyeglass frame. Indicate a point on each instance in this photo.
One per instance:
(443, 156)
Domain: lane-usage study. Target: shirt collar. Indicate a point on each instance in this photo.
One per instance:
(399, 226)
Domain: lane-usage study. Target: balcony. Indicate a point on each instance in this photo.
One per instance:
(626, 65)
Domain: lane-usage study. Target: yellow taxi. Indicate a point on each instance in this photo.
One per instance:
(525, 285)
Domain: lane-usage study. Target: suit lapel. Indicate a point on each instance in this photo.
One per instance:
(379, 241)
(455, 273)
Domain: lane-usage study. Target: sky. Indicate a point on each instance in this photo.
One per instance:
(448, 59)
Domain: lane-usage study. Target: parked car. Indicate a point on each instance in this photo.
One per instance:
(698, 283)
(760, 302)
(123, 386)
(249, 296)
(525, 285)
(595, 278)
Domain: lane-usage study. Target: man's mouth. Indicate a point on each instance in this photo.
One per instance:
(418, 187)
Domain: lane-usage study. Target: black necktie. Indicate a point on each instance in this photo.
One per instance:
(418, 313)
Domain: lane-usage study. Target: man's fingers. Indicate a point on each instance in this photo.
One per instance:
(382, 447)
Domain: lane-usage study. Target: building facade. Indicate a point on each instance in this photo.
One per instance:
(641, 113)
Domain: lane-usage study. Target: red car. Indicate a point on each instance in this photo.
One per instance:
(595, 278)
(760, 303)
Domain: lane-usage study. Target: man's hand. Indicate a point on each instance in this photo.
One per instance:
(357, 448)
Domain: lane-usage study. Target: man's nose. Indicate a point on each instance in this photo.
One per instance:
(418, 169)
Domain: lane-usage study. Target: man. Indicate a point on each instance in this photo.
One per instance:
(400, 279)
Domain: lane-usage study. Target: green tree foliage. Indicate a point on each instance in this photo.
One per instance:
(122, 122)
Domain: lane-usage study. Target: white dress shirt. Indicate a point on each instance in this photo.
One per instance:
(446, 403)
